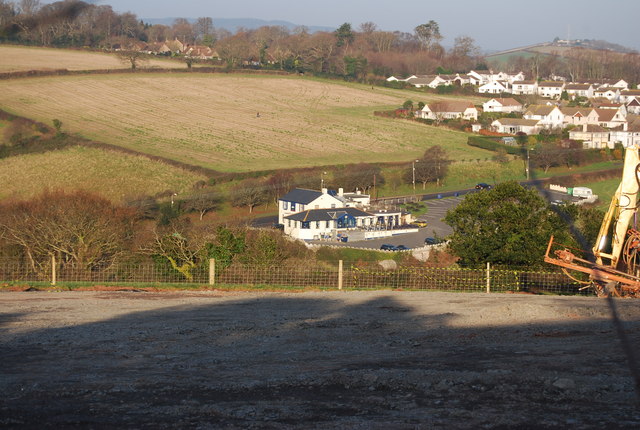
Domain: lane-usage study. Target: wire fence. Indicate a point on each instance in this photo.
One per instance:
(340, 275)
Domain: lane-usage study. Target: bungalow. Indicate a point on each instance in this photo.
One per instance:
(466, 79)
(628, 95)
(448, 110)
(431, 81)
(592, 136)
(516, 125)
(549, 116)
(579, 90)
(315, 224)
(550, 89)
(616, 83)
(524, 87)
(505, 105)
(609, 93)
(494, 87)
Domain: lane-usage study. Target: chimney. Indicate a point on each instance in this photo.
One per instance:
(340, 192)
(325, 191)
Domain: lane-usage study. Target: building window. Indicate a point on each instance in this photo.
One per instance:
(293, 206)
(305, 224)
(284, 205)
(288, 223)
(317, 225)
(326, 224)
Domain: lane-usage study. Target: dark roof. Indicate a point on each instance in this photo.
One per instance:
(301, 195)
(326, 214)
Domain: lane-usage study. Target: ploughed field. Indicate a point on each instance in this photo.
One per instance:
(212, 120)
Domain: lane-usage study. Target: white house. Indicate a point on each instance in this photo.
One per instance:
(609, 93)
(628, 95)
(524, 87)
(579, 90)
(592, 136)
(494, 87)
(633, 107)
(301, 199)
(315, 224)
(431, 81)
(551, 89)
(515, 125)
(448, 110)
(549, 116)
(505, 105)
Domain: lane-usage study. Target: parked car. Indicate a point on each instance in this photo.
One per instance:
(388, 247)
(431, 241)
(402, 248)
(483, 186)
(419, 223)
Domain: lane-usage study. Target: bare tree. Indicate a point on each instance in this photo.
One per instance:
(250, 193)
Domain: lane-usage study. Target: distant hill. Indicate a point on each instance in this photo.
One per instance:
(232, 24)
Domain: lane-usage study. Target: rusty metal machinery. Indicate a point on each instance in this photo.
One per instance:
(613, 264)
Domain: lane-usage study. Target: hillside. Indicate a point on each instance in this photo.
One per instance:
(211, 119)
(23, 58)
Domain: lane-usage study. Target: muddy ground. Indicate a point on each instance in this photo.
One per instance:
(349, 360)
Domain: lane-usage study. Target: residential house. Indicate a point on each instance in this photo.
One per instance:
(482, 77)
(609, 93)
(629, 135)
(301, 199)
(578, 115)
(627, 95)
(611, 118)
(633, 107)
(315, 224)
(494, 87)
(431, 81)
(448, 110)
(524, 87)
(579, 90)
(505, 105)
(466, 79)
(549, 116)
(592, 136)
(516, 125)
(551, 89)
(616, 83)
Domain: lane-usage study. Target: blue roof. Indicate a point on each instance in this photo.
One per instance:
(301, 195)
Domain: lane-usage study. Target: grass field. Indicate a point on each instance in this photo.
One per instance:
(22, 58)
(92, 170)
(211, 120)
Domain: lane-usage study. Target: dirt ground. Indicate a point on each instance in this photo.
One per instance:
(348, 360)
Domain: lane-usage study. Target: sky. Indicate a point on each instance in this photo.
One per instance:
(494, 24)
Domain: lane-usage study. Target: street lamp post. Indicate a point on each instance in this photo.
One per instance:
(322, 180)
(413, 168)
(172, 195)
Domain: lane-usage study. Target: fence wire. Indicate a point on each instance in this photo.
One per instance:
(321, 275)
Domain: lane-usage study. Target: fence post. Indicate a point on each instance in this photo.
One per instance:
(53, 270)
(340, 274)
(212, 271)
(488, 277)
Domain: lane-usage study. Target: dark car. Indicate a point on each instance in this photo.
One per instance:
(431, 241)
(402, 248)
(388, 247)
(483, 186)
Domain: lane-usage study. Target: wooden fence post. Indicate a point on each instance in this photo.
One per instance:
(340, 274)
(212, 271)
(488, 277)
(53, 270)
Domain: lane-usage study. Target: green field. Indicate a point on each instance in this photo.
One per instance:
(114, 175)
(211, 119)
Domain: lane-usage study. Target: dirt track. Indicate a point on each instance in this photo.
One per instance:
(360, 360)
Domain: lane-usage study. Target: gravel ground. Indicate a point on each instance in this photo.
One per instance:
(348, 360)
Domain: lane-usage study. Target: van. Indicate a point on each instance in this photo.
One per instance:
(582, 192)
